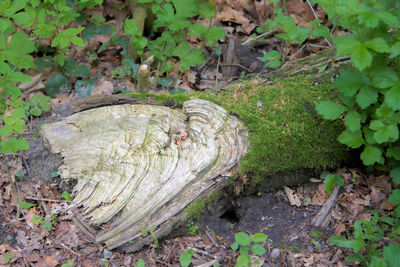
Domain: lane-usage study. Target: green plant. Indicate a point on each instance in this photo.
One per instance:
(192, 228)
(69, 263)
(65, 195)
(369, 106)
(146, 230)
(41, 221)
(173, 17)
(140, 263)
(330, 180)
(186, 257)
(247, 244)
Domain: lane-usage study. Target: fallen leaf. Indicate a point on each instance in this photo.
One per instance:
(340, 228)
(294, 200)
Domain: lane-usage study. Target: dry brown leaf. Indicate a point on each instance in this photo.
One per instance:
(104, 87)
(228, 14)
(340, 228)
(294, 200)
(47, 261)
(61, 99)
(320, 196)
(377, 196)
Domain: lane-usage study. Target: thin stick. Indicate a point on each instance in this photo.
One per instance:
(326, 208)
(46, 199)
(315, 15)
(235, 64)
(211, 238)
(65, 246)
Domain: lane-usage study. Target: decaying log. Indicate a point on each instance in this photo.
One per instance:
(138, 166)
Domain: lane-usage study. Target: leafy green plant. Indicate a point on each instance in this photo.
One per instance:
(140, 263)
(246, 245)
(186, 257)
(173, 17)
(150, 230)
(330, 180)
(369, 105)
(65, 195)
(192, 228)
(69, 263)
(41, 221)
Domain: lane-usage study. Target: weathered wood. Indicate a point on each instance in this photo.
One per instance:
(139, 166)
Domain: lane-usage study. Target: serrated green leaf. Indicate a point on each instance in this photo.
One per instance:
(258, 249)
(392, 97)
(131, 28)
(394, 152)
(340, 241)
(391, 254)
(384, 133)
(19, 77)
(372, 155)
(353, 121)
(378, 45)
(242, 239)
(195, 57)
(395, 50)
(388, 18)
(350, 81)
(346, 44)
(259, 237)
(395, 174)
(385, 78)
(395, 197)
(368, 19)
(361, 58)
(23, 18)
(330, 110)
(214, 34)
(351, 139)
(366, 97)
(242, 260)
(6, 130)
(14, 145)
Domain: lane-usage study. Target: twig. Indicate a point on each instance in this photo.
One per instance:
(211, 238)
(326, 208)
(200, 251)
(208, 264)
(84, 227)
(65, 246)
(315, 15)
(235, 64)
(251, 42)
(43, 205)
(46, 199)
(170, 253)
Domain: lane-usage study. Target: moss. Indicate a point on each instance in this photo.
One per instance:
(200, 207)
(286, 134)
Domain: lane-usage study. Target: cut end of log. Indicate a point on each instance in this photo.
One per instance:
(139, 166)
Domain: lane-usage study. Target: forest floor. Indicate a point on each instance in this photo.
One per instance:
(285, 215)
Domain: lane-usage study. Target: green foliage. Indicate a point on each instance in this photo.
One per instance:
(140, 263)
(69, 263)
(248, 245)
(331, 180)
(272, 59)
(186, 258)
(26, 205)
(173, 17)
(7, 257)
(370, 97)
(192, 228)
(65, 195)
(40, 220)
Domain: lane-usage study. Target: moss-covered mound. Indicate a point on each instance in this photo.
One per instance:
(286, 133)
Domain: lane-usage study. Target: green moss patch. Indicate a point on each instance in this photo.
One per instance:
(285, 133)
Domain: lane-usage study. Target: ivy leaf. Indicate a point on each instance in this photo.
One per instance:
(360, 57)
(84, 88)
(372, 155)
(366, 96)
(330, 110)
(395, 174)
(378, 45)
(392, 97)
(57, 84)
(72, 68)
(384, 133)
(352, 121)
(349, 81)
(395, 197)
(351, 139)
